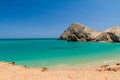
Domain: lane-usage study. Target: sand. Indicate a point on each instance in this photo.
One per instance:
(9, 71)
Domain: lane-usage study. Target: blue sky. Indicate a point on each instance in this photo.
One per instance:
(49, 18)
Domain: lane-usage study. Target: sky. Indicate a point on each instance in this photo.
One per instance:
(49, 18)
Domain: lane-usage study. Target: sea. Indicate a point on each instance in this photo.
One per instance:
(52, 52)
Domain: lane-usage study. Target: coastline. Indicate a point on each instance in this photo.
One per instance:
(10, 71)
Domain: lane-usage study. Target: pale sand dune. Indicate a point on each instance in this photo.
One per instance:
(9, 71)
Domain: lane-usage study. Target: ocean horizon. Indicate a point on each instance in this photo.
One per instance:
(53, 52)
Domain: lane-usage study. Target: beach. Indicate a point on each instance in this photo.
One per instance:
(10, 71)
(51, 59)
(59, 40)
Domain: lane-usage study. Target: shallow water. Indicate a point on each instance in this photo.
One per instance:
(53, 52)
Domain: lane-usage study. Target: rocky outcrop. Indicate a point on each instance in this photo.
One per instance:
(82, 33)
(114, 32)
(103, 37)
(108, 67)
(79, 32)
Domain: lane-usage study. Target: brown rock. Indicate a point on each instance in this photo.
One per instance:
(117, 63)
(104, 66)
(114, 68)
(78, 32)
(103, 37)
(12, 63)
(115, 32)
(44, 69)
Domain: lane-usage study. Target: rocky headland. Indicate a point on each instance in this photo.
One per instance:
(81, 33)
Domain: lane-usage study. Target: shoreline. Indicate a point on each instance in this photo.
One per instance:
(11, 71)
(71, 66)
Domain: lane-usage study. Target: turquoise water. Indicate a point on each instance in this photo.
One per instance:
(52, 52)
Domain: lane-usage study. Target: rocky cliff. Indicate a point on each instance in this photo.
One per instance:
(82, 33)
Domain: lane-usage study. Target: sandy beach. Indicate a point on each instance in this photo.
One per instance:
(10, 71)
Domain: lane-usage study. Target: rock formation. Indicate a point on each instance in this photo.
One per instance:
(103, 37)
(114, 32)
(79, 32)
(108, 67)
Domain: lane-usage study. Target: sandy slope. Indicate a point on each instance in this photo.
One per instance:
(9, 71)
